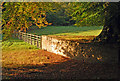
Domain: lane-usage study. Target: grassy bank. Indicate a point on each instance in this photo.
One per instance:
(15, 51)
(67, 30)
(16, 44)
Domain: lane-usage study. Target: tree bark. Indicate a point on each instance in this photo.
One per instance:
(111, 29)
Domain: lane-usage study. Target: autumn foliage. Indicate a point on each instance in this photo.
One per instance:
(21, 15)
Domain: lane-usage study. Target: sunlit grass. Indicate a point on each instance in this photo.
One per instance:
(18, 58)
(83, 33)
(16, 53)
(67, 30)
(16, 44)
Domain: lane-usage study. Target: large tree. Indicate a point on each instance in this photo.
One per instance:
(105, 14)
(111, 30)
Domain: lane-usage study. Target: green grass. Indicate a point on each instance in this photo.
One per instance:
(16, 44)
(67, 30)
(70, 31)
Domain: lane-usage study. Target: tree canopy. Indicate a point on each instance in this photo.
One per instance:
(21, 15)
(88, 13)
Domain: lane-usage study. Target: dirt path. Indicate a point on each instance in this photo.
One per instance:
(40, 64)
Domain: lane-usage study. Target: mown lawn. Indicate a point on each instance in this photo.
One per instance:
(16, 44)
(13, 47)
(67, 30)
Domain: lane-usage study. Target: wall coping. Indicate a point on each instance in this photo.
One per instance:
(82, 39)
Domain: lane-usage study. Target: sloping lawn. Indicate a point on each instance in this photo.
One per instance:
(16, 44)
(67, 30)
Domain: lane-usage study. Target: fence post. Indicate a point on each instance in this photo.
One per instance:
(30, 39)
(41, 42)
(22, 35)
(37, 41)
(25, 36)
(34, 39)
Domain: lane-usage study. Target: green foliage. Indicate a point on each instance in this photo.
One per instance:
(20, 15)
(87, 13)
(59, 17)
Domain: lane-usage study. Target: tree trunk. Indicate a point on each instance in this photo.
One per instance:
(111, 30)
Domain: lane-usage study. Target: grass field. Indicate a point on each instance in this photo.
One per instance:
(67, 30)
(16, 44)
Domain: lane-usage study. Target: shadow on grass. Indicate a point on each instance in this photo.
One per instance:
(70, 69)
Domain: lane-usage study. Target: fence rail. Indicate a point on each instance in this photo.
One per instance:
(29, 38)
